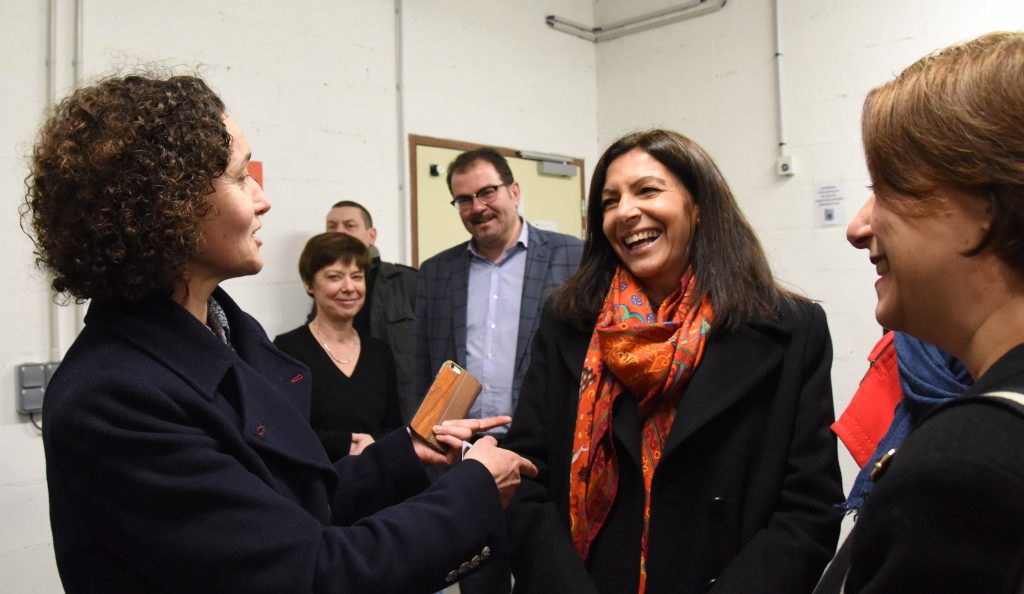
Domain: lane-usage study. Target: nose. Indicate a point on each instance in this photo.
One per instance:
(260, 201)
(858, 232)
(626, 209)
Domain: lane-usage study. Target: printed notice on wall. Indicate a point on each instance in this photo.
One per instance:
(828, 205)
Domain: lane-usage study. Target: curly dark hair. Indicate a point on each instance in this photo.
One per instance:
(118, 184)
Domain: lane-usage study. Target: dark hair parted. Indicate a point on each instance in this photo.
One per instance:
(118, 184)
(465, 162)
(327, 248)
(726, 256)
(367, 219)
(954, 120)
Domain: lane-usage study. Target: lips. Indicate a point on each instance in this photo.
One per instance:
(881, 265)
(640, 238)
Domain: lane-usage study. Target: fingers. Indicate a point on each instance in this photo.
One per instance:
(527, 468)
(478, 425)
(451, 441)
(458, 432)
(492, 422)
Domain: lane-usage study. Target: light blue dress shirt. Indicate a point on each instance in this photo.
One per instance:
(495, 294)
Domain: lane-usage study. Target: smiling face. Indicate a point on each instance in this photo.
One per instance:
(339, 290)
(649, 220)
(229, 246)
(926, 284)
(495, 226)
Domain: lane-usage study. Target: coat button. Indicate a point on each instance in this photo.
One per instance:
(716, 505)
(465, 567)
(475, 561)
(261, 430)
(883, 463)
(451, 577)
(485, 553)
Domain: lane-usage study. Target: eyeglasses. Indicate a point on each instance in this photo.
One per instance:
(485, 195)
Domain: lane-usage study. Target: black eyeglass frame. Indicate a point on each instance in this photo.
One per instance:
(467, 199)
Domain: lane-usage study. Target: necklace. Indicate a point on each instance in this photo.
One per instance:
(351, 356)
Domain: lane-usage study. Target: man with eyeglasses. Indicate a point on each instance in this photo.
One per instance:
(479, 302)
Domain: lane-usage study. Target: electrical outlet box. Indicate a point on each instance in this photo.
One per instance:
(32, 379)
(785, 165)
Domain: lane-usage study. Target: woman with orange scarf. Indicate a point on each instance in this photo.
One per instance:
(678, 401)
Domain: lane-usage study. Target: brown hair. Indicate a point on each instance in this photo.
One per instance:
(118, 184)
(327, 248)
(727, 258)
(954, 120)
(465, 162)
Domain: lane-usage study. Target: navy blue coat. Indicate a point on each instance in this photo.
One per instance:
(176, 464)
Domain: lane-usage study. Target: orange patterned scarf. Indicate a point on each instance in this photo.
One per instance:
(652, 356)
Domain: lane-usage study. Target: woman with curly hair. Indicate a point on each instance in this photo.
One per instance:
(178, 447)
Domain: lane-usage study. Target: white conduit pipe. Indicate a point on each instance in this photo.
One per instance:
(404, 231)
(778, 79)
(80, 308)
(53, 316)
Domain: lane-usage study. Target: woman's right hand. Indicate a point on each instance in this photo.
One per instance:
(506, 466)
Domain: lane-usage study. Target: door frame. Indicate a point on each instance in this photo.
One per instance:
(460, 145)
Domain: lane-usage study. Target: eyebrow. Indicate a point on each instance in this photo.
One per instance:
(638, 182)
(241, 165)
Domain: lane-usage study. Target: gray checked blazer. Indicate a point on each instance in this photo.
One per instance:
(441, 302)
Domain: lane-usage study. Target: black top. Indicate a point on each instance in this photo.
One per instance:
(365, 402)
(947, 514)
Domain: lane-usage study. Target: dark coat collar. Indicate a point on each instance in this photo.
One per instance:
(272, 388)
(756, 348)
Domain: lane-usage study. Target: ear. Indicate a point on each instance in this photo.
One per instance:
(373, 236)
(513, 190)
(308, 288)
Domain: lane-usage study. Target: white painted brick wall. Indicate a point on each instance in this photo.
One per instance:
(313, 87)
(712, 79)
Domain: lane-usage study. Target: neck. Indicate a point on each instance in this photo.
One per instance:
(333, 330)
(193, 297)
(999, 332)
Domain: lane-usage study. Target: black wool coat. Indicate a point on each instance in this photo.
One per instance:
(745, 497)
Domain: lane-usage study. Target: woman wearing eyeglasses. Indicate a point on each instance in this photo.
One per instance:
(678, 400)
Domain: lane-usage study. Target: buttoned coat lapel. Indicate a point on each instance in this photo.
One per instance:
(271, 389)
(716, 385)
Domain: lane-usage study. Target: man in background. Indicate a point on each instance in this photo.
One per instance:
(479, 303)
(390, 306)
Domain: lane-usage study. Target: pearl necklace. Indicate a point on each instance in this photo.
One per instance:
(323, 345)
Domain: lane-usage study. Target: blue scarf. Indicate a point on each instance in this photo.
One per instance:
(928, 377)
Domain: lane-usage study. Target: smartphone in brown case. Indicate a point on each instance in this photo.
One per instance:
(454, 390)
